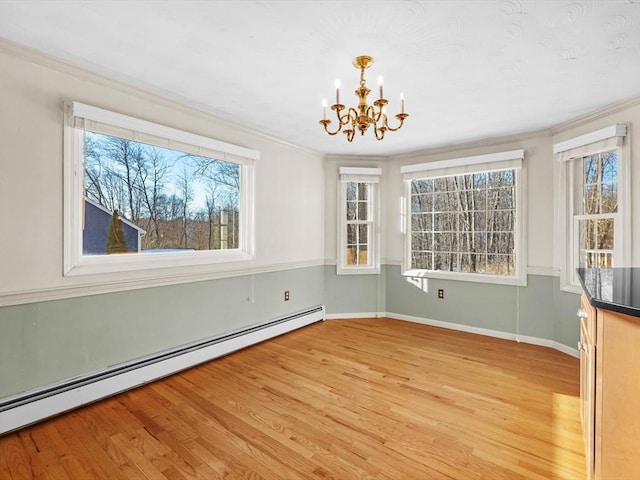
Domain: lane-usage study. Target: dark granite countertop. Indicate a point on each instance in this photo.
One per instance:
(615, 289)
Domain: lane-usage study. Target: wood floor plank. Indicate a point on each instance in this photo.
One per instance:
(344, 399)
(44, 452)
(15, 462)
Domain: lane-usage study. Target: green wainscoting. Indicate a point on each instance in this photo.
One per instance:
(539, 310)
(47, 342)
(354, 294)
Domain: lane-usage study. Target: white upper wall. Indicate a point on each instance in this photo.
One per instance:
(296, 209)
(289, 180)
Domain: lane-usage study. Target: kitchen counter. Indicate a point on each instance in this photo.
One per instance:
(615, 289)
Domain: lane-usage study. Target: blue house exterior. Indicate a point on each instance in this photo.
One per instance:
(96, 230)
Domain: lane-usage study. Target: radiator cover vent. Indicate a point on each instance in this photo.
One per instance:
(29, 407)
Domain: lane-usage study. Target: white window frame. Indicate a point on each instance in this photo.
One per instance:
(76, 263)
(568, 152)
(372, 177)
(513, 159)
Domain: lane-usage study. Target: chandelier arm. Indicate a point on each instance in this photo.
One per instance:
(350, 116)
(370, 112)
(343, 120)
(399, 116)
(379, 136)
(378, 117)
(340, 117)
(324, 123)
(349, 133)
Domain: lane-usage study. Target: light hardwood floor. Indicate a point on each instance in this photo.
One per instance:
(345, 399)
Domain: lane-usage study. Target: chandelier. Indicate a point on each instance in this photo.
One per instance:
(364, 115)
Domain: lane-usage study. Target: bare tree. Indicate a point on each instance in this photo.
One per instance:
(125, 156)
(153, 169)
(464, 223)
(93, 172)
(226, 177)
(211, 201)
(186, 196)
(221, 172)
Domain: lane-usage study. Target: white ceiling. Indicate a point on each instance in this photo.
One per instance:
(469, 69)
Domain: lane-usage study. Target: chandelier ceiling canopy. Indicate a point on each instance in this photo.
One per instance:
(364, 115)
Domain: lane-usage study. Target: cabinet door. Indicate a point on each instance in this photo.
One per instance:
(618, 397)
(588, 381)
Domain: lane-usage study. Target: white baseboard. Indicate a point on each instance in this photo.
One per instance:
(29, 407)
(561, 347)
(341, 316)
(463, 328)
(488, 332)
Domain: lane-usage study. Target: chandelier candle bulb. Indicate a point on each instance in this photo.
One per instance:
(380, 82)
(402, 103)
(337, 92)
(324, 108)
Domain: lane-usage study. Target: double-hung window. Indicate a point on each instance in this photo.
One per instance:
(140, 195)
(464, 219)
(594, 180)
(358, 230)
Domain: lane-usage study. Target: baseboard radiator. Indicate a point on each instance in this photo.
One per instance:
(32, 406)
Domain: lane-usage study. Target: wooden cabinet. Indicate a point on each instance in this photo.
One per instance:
(610, 392)
(587, 350)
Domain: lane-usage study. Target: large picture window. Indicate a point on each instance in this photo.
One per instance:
(175, 201)
(140, 195)
(463, 219)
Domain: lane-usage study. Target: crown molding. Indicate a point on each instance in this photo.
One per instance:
(596, 115)
(145, 92)
(354, 158)
(515, 140)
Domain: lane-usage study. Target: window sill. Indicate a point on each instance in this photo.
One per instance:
(114, 283)
(92, 265)
(570, 288)
(358, 270)
(467, 277)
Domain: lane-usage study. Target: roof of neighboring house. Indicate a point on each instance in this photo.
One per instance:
(141, 231)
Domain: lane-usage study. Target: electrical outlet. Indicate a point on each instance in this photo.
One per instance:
(286, 295)
(440, 293)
